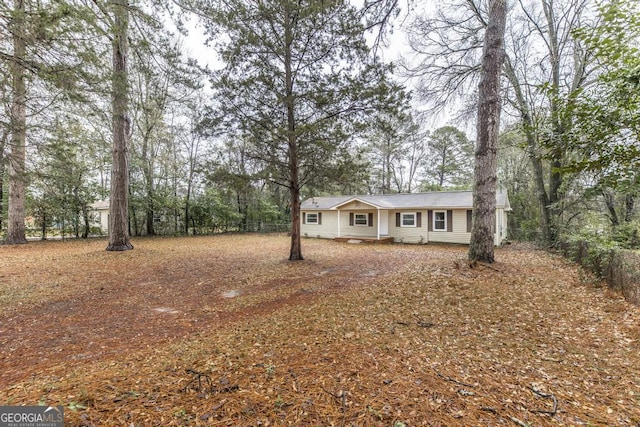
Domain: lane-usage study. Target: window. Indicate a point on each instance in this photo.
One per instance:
(312, 218)
(408, 219)
(440, 221)
(361, 219)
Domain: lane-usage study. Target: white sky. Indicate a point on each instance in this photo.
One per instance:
(398, 46)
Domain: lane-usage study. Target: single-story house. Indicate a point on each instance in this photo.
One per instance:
(442, 216)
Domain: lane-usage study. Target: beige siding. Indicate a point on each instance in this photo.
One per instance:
(327, 230)
(356, 206)
(104, 219)
(329, 227)
(100, 218)
(459, 230)
(501, 226)
(347, 230)
(408, 234)
(505, 224)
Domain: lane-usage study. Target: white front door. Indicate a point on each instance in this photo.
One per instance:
(383, 221)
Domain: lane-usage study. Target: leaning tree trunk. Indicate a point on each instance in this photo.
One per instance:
(119, 206)
(481, 247)
(17, 178)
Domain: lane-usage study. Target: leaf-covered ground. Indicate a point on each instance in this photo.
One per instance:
(224, 331)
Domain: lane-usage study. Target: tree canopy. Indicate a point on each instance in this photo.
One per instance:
(298, 100)
(299, 83)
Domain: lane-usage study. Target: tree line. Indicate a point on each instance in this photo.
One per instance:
(102, 101)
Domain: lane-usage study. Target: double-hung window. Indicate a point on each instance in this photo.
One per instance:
(361, 219)
(408, 219)
(440, 220)
(312, 218)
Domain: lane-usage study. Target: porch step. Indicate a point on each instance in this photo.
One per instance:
(358, 239)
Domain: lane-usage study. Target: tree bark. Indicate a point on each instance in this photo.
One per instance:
(119, 206)
(609, 201)
(87, 222)
(18, 122)
(147, 170)
(3, 145)
(295, 253)
(151, 231)
(629, 203)
(481, 247)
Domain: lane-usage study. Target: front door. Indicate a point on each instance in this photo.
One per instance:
(384, 222)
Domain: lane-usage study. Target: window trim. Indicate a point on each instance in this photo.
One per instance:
(435, 214)
(355, 219)
(316, 222)
(413, 215)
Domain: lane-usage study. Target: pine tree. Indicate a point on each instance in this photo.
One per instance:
(18, 126)
(483, 226)
(298, 83)
(119, 202)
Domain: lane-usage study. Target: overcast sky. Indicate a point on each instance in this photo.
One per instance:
(397, 47)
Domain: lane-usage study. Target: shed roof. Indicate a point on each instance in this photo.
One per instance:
(435, 199)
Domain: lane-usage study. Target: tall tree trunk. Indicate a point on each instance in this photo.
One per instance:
(193, 152)
(610, 203)
(295, 254)
(629, 204)
(3, 145)
(18, 122)
(119, 206)
(43, 229)
(151, 231)
(481, 247)
(187, 204)
(147, 170)
(87, 222)
(557, 126)
(533, 153)
(387, 169)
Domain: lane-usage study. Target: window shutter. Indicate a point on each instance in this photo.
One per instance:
(370, 219)
(350, 218)
(449, 221)
(319, 218)
(430, 220)
(304, 217)
(418, 219)
(397, 219)
(469, 219)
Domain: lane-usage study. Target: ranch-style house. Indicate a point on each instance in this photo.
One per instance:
(442, 216)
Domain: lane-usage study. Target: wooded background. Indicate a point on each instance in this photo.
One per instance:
(300, 103)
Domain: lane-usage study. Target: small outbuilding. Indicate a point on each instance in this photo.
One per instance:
(99, 214)
(442, 216)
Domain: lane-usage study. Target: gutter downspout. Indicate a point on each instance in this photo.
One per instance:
(378, 225)
(338, 222)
